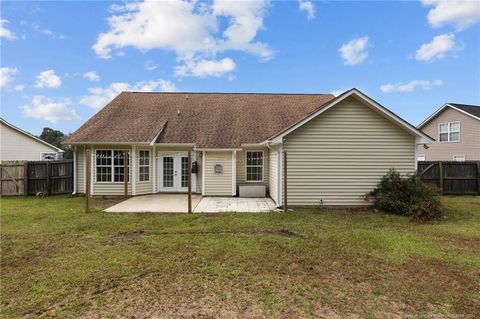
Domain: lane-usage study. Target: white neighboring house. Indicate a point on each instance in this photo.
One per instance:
(18, 145)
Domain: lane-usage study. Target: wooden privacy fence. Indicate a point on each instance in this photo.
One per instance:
(31, 178)
(452, 178)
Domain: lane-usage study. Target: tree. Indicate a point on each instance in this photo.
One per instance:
(56, 138)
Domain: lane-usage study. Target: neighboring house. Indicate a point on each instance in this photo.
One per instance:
(337, 148)
(456, 128)
(18, 145)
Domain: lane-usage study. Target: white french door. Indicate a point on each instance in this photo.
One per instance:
(173, 172)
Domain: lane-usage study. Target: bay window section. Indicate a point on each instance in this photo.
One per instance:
(110, 166)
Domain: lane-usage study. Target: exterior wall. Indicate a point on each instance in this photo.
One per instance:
(273, 174)
(339, 156)
(16, 146)
(218, 184)
(241, 168)
(80, 173)
(469, 144)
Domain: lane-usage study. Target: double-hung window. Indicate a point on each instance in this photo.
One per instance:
(110, 165)
(144, 166)
(449, 132)
(254, 166)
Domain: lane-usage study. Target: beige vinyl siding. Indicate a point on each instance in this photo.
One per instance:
(469, 144)
(17, 146)
(109, 188)
(241, 169)
(340, 155)
(80, 173)
(273, 174)
(218, 184)
(145, 187)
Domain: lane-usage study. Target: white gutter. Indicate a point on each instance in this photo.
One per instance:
(218, 149)
(108, 143)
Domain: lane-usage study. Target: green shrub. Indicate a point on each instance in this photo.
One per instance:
(409, 196)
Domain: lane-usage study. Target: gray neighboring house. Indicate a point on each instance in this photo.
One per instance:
(19, 145)
(337, 148)
(456, 128)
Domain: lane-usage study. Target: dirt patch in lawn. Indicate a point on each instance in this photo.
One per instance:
(470, 244)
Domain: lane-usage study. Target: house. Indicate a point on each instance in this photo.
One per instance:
(456, 128)
(337, 147)
(18, 145)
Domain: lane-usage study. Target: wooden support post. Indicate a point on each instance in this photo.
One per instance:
(440, 176)
(88, 175)
(125, 172)
(189, 181)
(285, 182)
(478, 177)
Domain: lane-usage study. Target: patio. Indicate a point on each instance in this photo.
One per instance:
(178, 203)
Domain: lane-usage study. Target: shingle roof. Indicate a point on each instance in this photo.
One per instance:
(216, 120)
(472, 109)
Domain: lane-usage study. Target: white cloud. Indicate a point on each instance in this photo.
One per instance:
(19, 87)
(48, 79)
(308, 7)
(4, 32)
(355, 51)
(6, 75)
(37, 28)
(204, 68)
(92, 76)
(437, 48)
(191, 29)
(461, 14)
(150, 65)
(51, 110)
(410, 86)
(99, 97)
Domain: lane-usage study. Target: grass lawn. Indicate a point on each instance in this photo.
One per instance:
(57, 262)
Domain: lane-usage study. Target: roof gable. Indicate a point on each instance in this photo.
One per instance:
(33, 137)
(470, 110)
(424, 138)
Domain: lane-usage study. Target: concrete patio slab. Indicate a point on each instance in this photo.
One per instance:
(235, 204)
(156, 203)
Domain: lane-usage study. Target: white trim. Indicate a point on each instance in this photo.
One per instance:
(448, 132)
(112, 181)
(108, 143)
(134, 169)
(425, 138)
(279, 176)
(175, 144)
(203, 172)
(149, 164)
(92, 170)
(263, 166)
(74, 171)
(234, 173)
(453, 158)
(30, 135)
(428, 119)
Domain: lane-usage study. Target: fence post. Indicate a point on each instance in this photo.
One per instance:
(285, 182)
(478, 177)
(440, 175)
(25, 179)
(88, 175)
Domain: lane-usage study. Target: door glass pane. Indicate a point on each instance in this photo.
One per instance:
(184, 171)
(168, 172)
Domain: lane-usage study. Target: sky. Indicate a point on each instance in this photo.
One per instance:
(62, 61)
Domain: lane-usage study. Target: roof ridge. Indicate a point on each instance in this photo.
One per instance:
(464, 104)
(219, 93)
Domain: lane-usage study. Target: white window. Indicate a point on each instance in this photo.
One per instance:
(421, 158)
(144, 166)
(449, 132)
(49, 156)
(459, 158)
(254, 166)
(110, 165)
